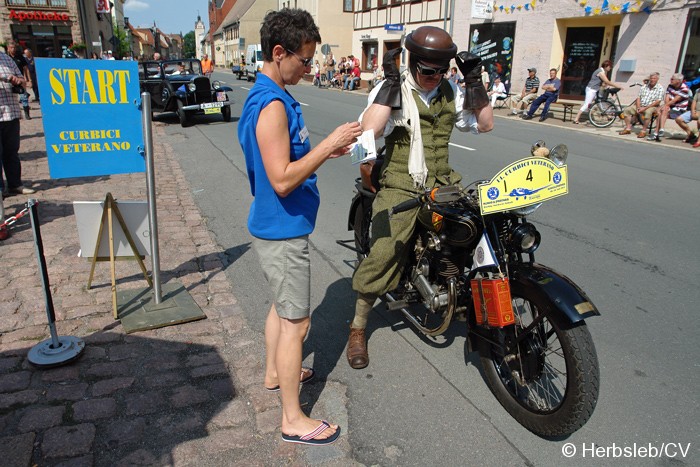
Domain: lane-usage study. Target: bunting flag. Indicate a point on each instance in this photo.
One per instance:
(605, 8)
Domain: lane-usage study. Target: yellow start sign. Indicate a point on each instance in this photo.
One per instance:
(523, 183)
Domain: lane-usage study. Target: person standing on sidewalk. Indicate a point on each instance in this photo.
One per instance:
(10, 77)
(598, 78)
(207, 65)
(14, 51)
(281, 169)
(31, 64)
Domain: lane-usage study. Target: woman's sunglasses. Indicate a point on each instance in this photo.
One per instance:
(429, 71)
(304, 61)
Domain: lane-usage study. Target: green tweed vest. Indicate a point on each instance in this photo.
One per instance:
(436, 123)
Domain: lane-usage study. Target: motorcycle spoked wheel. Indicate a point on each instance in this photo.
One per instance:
(550, 385)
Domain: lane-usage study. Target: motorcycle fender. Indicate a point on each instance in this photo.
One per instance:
(356, 204)
(559, 290)
(225, 88)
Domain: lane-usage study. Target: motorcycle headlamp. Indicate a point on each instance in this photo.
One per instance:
(525, 238)
(558, 155)
(192, 87)
(216, 85)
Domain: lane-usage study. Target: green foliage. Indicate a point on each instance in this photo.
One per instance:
(189, 49)
(123, 46)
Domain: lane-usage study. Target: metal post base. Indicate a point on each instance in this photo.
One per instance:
(43, 355)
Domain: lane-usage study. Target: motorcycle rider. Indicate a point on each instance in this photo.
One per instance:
(416, 117)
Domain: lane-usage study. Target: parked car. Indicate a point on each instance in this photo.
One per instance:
(179, 86)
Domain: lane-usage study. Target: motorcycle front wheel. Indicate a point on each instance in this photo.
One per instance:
(549, 383)
(602, 114)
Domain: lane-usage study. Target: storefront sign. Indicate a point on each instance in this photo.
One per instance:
(38, 16)
(482, 9)
(102, 6)
(91, 119)
(393, 27)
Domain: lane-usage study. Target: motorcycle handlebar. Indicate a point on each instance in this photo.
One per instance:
(441, 194)
(406, 205)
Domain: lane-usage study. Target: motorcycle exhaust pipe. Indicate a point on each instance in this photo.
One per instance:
(451, 307)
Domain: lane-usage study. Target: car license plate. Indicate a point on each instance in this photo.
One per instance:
(220, 96)
(213, 110)
(210, 105)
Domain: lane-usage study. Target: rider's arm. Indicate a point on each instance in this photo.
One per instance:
(376, 117)
(477, 121)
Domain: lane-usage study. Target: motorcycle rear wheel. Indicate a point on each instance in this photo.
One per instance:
(602, 114)
(550, 384)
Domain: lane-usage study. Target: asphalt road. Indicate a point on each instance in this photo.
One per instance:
(626, 233)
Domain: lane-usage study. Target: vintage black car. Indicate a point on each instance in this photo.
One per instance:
(179, 86)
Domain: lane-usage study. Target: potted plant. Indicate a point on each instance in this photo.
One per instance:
(78, 47)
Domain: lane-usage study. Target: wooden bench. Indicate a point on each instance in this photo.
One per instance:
(567, 107)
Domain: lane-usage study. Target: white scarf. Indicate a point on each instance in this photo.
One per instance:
(408, 117)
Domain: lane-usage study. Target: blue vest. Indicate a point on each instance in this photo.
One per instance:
(272, 217)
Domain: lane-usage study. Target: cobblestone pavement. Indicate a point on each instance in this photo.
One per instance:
(190, 394)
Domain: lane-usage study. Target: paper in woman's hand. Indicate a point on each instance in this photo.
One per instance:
(364, 150)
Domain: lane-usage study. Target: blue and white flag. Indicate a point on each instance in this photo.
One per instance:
(484, 255)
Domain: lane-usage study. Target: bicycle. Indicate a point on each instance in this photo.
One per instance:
(607, 107)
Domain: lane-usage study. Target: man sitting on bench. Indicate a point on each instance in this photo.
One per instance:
(650, 97)
(551, 94)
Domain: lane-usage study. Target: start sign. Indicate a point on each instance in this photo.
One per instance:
(91, 115)
(523, 183)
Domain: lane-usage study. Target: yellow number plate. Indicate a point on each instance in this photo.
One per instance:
(215, 110)
(523, 183)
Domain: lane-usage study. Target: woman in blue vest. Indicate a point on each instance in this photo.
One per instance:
(281, 166)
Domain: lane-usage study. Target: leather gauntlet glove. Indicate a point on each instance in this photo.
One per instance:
(475, 96)
(390, 92)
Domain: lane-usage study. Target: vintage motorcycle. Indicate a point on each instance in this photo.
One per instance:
(472, 260)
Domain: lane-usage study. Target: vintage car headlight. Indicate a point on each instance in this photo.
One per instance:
(525, 238)
(216, 85)
(192, 87)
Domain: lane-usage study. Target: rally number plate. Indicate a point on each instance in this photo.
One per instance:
(523, 183)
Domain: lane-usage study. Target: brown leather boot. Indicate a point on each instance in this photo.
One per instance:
(357, 349)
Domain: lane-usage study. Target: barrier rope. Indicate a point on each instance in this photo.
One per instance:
(11, 220)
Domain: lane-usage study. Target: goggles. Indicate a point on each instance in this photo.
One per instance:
(429, 71)
(304, 61)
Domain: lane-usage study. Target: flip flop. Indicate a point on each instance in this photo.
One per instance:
(576, 123)
(302, 380)
(310, 438)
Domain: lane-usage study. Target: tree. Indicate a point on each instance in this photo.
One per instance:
(189, 48)
(122, 45)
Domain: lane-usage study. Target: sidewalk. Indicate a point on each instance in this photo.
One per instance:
(190, 394)
(673, 138)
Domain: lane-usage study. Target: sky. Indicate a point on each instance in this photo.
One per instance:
(171, 16)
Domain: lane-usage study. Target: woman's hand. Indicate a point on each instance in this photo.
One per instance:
(342, 138)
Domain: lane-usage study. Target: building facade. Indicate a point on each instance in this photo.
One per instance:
(47, 26)
(574, 37)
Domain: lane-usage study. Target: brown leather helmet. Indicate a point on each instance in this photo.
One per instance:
(432, 44)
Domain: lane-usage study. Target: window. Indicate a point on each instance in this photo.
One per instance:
(382, 3)
(366, 5)
(347, 6)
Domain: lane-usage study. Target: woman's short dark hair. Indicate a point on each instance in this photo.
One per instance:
(606, 63)
(290, 28)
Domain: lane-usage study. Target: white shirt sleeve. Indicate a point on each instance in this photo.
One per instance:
(466, 120)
